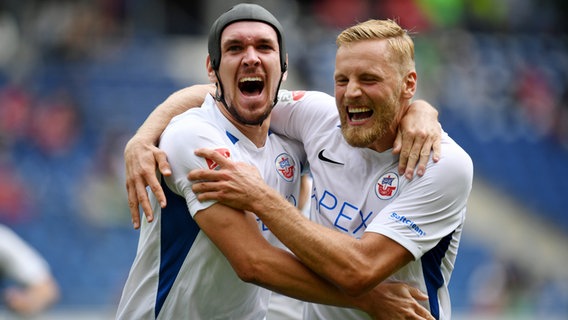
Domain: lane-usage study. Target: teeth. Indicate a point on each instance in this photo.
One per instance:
(358, 110)
(250, 79)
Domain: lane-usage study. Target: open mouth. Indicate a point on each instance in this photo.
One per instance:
(359, 114)
(251, 86)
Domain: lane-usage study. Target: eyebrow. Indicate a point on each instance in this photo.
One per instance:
(264, 40)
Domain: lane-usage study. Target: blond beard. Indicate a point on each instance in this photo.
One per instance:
(362, 137)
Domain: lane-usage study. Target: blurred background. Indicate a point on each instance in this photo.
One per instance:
(77, 78)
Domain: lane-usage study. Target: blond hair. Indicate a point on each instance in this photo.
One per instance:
(400, 43)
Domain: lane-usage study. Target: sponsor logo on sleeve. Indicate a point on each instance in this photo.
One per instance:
(289, 96)
(214, 165)
(409, 223)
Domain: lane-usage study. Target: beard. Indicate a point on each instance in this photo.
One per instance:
(381, 123)
(251, 122)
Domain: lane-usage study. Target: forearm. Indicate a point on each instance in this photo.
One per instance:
(356, 266)
(175, 104)
(327, 252)
(285, 274)
(33, 299)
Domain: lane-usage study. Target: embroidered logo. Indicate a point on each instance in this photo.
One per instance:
(387, 186)
(326, 159)
(297, 95)
(214, 165)
(285, 166)
(289, 96)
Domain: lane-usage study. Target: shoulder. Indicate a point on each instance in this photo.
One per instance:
(291, 96)
(454, 157)
(189, 127)
(304, 106)
(305, 98)
(453, 173)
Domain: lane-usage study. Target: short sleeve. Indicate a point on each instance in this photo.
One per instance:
(429, 207)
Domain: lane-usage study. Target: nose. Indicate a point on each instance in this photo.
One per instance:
(251, 57)
(352, 89)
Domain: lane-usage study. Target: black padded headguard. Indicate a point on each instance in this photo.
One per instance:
(243, 12)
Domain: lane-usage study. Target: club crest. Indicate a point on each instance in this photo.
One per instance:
(387, 186)
(285, 166)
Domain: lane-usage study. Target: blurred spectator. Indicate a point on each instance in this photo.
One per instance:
(31, 287)
(55, 153)
(103, 195)
(340, 14)
(498, 288)
(15, 105)
(535, 97)
(78, 30)
(9, 37)
(15, 206)
(561, 121)
(408, 13)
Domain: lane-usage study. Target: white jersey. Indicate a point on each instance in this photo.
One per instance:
(358, 190)
(178, 272)
(19, 262)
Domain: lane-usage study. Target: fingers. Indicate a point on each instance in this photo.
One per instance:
(424, 156)
(206, 191)
(133, 206)
(420, 310)
(408, 156)
(143, 201)
(417, 294)
(404, 149)
(437, 145)
(213, 155)
(163, 164)
(415, 154)
(397, 144)
(164, 167)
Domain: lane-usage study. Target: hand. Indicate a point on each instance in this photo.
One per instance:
(33, 299)
(236, 184)
(140, 158)
(397, 300)
(419, 133)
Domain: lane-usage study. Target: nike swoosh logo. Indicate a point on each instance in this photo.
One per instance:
(326, 159)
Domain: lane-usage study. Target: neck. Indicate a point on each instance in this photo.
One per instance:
(383, 144)
(257, 134)
(387, 140)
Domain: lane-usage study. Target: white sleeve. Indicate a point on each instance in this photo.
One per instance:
(429, 207)
(179, 141)
(301, 114)
(19, 261)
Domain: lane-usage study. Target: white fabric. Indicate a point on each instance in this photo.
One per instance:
(363, 192)
(20, 262)
(203, 284)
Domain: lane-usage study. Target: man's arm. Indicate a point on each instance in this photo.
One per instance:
(34, 298)
(35, 288)
(141, 154)
(236, 234)
(419, 133)
(337, 257)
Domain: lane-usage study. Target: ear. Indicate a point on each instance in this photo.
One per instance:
(210, 72)
(285, 75)
(409, 84)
